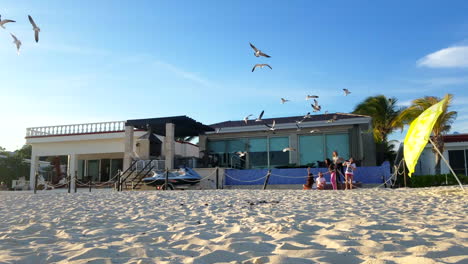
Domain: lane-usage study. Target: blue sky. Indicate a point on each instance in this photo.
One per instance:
(117, 60)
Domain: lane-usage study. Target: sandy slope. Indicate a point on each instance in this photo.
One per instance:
(236, 226)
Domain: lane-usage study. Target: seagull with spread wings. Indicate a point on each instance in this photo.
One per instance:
(35, 28)
(3, 22)
(284, 100)
(346, 92)
(308, 97)
(307, 116)
(246, 119)
(261, 66)
(272, 126)
(316, 106)
(258, 52)
(259, 118)
(17, 43)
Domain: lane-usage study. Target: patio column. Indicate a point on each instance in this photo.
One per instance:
(128, 149)
(34, 167)
(202, 145)
(169, 146)
(72, 167)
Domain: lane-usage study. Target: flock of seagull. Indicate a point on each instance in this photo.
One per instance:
(16, 41)
(272, 127)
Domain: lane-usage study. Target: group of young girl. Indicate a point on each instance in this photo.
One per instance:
(336, 169)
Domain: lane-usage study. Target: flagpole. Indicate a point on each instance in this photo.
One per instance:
(446, 162)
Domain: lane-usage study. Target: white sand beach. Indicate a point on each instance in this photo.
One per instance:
(236, 226)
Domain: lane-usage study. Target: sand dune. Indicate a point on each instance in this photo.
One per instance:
(236, 226)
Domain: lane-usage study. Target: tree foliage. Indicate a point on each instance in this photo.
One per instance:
(384, 112)
(13, 166)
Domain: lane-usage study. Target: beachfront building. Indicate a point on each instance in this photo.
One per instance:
(312, 140)
(456, 152)
(99, 150)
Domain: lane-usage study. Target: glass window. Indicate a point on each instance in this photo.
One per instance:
(311, 149)
(217, 151)
(234, 146)
(217, 146)
(116, 165)
(93, 170)
(277, 156)
(339, 143)
(258, 155)
(81, 169)
(457, 161)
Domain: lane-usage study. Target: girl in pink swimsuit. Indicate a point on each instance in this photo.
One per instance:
(332, 171)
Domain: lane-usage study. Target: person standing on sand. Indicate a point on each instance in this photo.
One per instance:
(309, 181)
(332, 170)
(321, 182)
(338, 161)
(350, 168)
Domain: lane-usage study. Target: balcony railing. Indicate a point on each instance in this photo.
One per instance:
(89, 128)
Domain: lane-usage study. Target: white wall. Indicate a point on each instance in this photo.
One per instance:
(426, 162)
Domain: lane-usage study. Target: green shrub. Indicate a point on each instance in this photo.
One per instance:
(418, 181)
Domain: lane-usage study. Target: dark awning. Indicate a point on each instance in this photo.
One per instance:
(184, 125)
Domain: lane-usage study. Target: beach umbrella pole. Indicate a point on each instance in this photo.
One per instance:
(446, 162)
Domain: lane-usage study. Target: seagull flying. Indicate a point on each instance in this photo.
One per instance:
(289, 149)
(3, 22)
(284, 100)
(346, 92)
(35, 28)
(308, 97)
(261, 66)
(241, 154)
(314, 131)
(259, 118)
(300, 121)
(272, 127)
(307, 116)
(298, 127)
(316, 106)
(246, 119)
(17, 43)
(217, 130)
(257, 52)
(335, 117)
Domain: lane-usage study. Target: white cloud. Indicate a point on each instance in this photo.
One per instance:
(452, 57)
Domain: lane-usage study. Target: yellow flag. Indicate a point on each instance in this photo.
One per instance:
(418, 134)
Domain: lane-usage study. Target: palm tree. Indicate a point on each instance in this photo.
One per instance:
(384, 112)
(442, 125)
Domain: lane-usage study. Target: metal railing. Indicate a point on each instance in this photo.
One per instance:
(114, 126)
(155, 164)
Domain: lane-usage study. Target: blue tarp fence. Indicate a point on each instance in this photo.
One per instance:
(377, 174)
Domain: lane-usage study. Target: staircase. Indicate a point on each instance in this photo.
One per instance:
(132, 179)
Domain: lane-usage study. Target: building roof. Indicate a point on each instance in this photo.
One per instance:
(184, 125)
(287, 120)
(455, 138)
